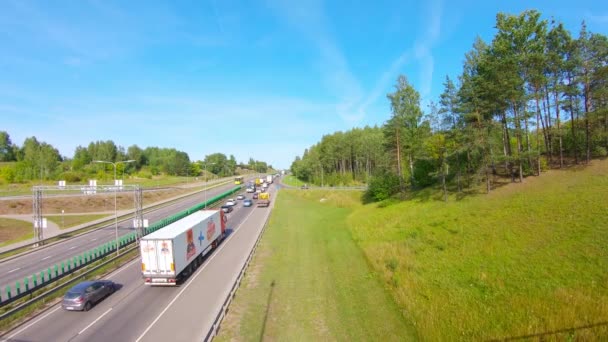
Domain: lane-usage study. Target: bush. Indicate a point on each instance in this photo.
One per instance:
(71, 176)
(424, 172)
(7, 173)
(600, 151)
(144, 174)
(381, 187)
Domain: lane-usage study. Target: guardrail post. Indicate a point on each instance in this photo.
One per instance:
(48, 274)
(62, 267)
(35, 280)
(8, 291)
(74, 260)
(80, 260)
(56, 273)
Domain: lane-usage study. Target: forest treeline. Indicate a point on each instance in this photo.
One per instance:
(36, 160)
(534, 97)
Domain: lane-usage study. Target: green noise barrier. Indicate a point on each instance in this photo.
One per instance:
(70, 265)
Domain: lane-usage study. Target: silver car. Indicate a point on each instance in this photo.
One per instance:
(82, 296)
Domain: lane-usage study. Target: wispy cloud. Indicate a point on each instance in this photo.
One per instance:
(420, 53)
(598, 18)
(310, 19)
(353, 102)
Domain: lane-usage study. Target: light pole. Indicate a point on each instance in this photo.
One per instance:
(115, 210)
(206, 183)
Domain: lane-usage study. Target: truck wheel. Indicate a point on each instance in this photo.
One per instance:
(87, 306)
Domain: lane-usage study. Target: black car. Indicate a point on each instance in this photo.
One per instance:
(227, 208)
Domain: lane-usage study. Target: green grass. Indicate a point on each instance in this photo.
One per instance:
(12, 231)
(310, 282)
(291, 180)
(529, 258)
(68, 221)
(526, 260)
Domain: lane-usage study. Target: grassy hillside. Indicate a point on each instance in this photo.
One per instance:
(529, 258)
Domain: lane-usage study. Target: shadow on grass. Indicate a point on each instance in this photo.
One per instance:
(272, 284)
(552, 333)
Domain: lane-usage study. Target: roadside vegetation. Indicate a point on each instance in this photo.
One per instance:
(39, 163)
(69, 221)
(291, 180)
(12, 231)
(528, 259)
(532, 98)
(310, 282)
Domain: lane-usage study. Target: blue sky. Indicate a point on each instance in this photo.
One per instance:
(261, 79)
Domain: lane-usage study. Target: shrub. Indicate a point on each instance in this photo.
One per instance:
(7, 173)
(71, 176)
(381, 187)
(144, 174)
(424, 172)
(600, 151)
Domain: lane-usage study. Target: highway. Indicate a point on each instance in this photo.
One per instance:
(24, 266)
(137, 312)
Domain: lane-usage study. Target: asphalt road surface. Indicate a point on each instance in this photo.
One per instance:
(24, 266)
(137, 312)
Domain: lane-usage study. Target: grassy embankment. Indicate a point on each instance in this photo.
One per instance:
(69, 221)
(291, 180)
(310, 282)
(12, 231)
(528, 259)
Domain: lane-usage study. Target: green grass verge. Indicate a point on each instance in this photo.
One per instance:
(310, 282)
(12, 231)
(527, 259)
(69, 221)
(291, 180)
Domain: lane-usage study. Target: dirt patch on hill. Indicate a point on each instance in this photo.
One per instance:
(86, 203)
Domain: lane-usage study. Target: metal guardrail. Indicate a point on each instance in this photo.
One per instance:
(68, 235)
(215, 327)
(85, 259)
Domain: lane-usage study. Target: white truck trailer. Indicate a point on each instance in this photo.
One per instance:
(178, 249)
(269, 179)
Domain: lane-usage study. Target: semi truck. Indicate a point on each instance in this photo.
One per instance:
(175, 251)
(269, 179)
(263, 199)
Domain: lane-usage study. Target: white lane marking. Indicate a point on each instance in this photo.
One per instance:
(46, 257)
(224, 244)
(72, 247)
(16, 269)
(123, 268)
(93, 239)
(29, 325)
(95, 321)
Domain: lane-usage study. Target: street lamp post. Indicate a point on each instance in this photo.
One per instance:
(115, 209)
(206, 183)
